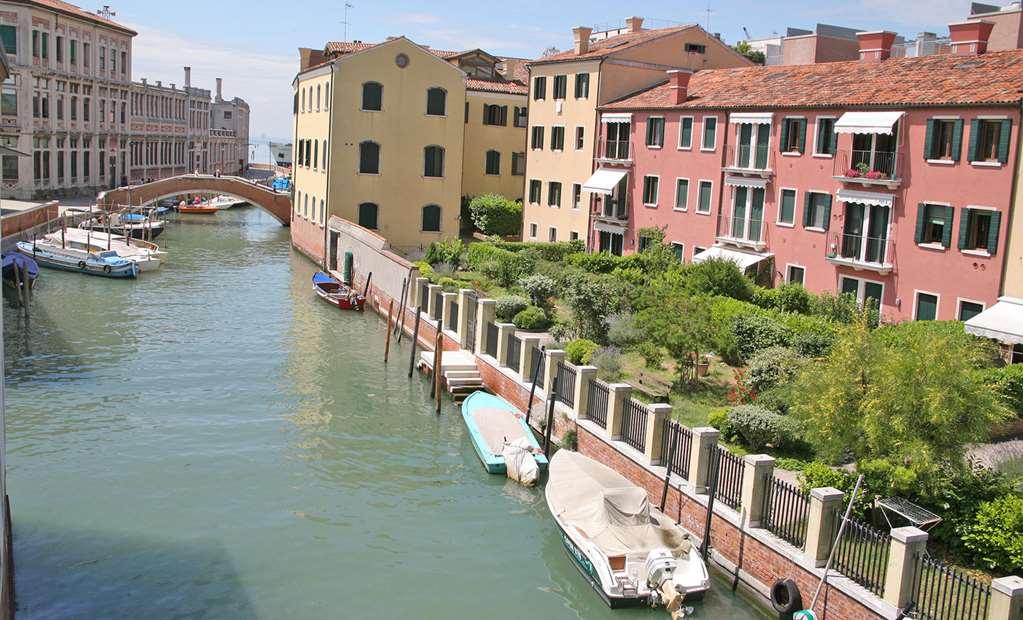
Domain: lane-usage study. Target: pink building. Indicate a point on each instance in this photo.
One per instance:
(888, 178)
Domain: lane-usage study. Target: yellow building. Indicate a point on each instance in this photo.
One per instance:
(392, 135)
(565, 90)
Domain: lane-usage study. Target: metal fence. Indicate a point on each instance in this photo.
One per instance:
(945, 593)
(730, 471)
(470, 320)
(513, 356)
(437, 307)
(566, 384)
(539, 367)
(673, 431)
(862, 554)
(786, 510)
(423, 293)
(453, 318)
(491, 344)
(634, 424)
(596, 403)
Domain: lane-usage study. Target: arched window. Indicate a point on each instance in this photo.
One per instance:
(316, 153)
(298, 202)
(493, 162)
(372, 96)
(303, 100)
(308, 153)
(369, 157)
(434, 161)
(368, 215)
(324, 154)
(317, 98)
(326, 98)
(435, 101)
(431, 218)
(305, 207)
(323, 212)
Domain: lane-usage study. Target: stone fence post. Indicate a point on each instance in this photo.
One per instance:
(657, 413)
(705, 439)
(616, 395)
(414, 297)
(504, 334)
(463, 320)
(583, 376)
(907, 544)
(758, 469)
(1006, 599)
(486, 312)
(825, 503)
(550, 370)
(529, 344)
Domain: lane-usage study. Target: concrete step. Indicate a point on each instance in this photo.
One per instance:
(461, 374)
(451, 360)
(466, 382)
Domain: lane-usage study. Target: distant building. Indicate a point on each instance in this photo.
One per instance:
(1007, 33)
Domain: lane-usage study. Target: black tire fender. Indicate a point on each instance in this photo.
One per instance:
(81, 264)
(785, 597)
(106, 269)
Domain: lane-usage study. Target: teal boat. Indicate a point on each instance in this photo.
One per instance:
(493, 422)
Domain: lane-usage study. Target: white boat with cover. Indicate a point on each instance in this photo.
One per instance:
(631, 553)
(147, 256)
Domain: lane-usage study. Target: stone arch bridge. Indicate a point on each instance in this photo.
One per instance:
(275, 203)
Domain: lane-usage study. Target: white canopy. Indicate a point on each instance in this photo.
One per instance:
(744, 260)
(604, 181)
(755, 118)
(867, 122)
(741, 181)
(1002, 321)
(616, 117)
(865, 198)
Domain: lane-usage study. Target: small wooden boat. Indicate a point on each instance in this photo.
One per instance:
(105, 263)
(197, 209)
(135, 225)
(26, 267)
(336, 292)
(494, 423)
(631, 553)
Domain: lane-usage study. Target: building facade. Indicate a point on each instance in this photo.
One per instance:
(873, 177)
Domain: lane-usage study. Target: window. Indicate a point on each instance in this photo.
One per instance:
(617, 140)
(703, 206)
(46, 46)
(643, 242)
(681, 194)
(825, 141)
(535, 188)
(864, 290)
(650, 184)
(495, 115)
(9, 38)
(710, 129)
(573, 236)
(680, 251)
(560, 86)
(539, 88)
(685, 132)
(552, 232)
(35, 44)
(434, 161)
(978, 230)
(934, 225)
(436, 99)
(85, 55)
(554, 194)
(316, 152)
(944, 139)
(537, 140)
(579, 137)
(493, 162)
(793, 135)
(227, 115)
(787, 207)
(518, 164)
(9, 99)
(577, 195)
(323, 212)
(532, 230)
(557, 138)
(369, 158)
(582, 85)
(521, 115)
(9, 163)
(747, 222)
(817, 210)
(60, 50)
(967, 309)
(696, 48)
(926, 306)
(368, 215)
(372, 96)
(655, 132)
(319, 96)
(795, 274)
(989, 140)
(73, 52)
(431, 218)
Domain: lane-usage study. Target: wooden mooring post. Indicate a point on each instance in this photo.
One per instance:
(387, 339)
(415, 341)
(671, 460)
(438, 374)
(369, 279)
(401, 308)
(532, 389)
(550, 418)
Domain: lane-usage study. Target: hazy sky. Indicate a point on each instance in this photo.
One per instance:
(253, 44)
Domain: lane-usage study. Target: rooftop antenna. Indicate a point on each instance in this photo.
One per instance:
(745, 31)
(106, 13)
(348, 5)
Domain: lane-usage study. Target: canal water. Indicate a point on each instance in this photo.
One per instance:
(213, 441)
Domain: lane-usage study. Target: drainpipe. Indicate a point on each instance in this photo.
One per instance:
(330, 160)
(595, 130)
(721, 184)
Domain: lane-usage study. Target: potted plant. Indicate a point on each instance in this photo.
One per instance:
(874, 175)
(852, 173)
(703, 366)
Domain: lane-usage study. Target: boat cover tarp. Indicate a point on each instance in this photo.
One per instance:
(607, 508)
(498, 426)
(21, 262)
(132, 217)
(520, 463)
(321, 278)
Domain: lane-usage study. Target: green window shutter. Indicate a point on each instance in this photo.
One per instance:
(974, 134)
(957, 139)
(827, 212)
(928, 146)
(946, 231)
(802, 135)
(1003, 141)
(784, 135)
(992, 233)
(964, 228)
(807, 207)
(921, 218)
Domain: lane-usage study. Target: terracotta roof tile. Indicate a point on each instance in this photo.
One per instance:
(350, 47)
(945, 79)
(70, 9)
(617, 43)
(496, 86)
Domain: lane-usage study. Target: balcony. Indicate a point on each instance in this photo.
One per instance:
(749, 160)
(869, 168)
(614, 152)
(743, 232)
(609, 211)
(861, 252)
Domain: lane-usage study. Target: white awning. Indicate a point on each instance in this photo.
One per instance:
(609, 226)
(865, 198)
(604, 181)
(867, 122)
(742, 259)
(755, 118)
(1002, 321)
(616, 117)
(741, 181)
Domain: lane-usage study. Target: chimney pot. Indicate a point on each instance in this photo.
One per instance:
(678, 80)
(581, 35)
(220, 89)
(876, 45)
(970, 38)
(188, 77)
(143, 81)
(634, 24)
(173, 87)
(159, 83)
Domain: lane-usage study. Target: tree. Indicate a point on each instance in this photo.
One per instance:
(593, 298)
(679, 322)
(493, 214)
(744, 48)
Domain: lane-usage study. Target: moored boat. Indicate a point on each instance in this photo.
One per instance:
(631, 553)
(105, 263)
(25, 266)
(135, 225)
(225, 202)
(143, 253)
(336, 292)
(493, 424)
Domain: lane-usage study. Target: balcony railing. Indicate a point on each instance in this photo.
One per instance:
(869, 167)
(607, 209)
(614, 151)
(743, 231)
(749, 159)
(861, 252)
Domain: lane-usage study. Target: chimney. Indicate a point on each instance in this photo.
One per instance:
(678, 82)
(159, 83)
(173, 86)
(875, 45)
(220, 89)
(188, 77)
(970, 38)
(582, 39)
(634, 24)
(143, 81)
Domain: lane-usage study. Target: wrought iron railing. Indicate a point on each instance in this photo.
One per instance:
(942, 592)
(743, 229)
(746, 157)
(867, 166)
(683, 439)
(786, 509)
(453, 317)
(470, 320)
(513, 356)
(437, 307)
(423, 293)
(862, 554)
(614, 150)
(860, 249)
(596, 403)
(634, 424)
(566, 384)
(730, 471)
(491, 343)
(539, 366)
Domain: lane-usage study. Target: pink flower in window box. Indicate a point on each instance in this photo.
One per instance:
(874, 174)
(852, 172)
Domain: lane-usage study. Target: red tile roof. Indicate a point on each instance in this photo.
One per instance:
(80, 13)
(617, 43)
(496, 86)
(350, 47)
(945, 79)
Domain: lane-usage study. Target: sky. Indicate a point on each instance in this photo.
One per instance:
(253, 44)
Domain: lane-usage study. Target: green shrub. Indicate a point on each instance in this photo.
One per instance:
(570, 440)
(608, 361)
(995, 535)
(622, 330)
(580, 351)
(1008, 381)
(561, 330)
(554, 252)
(449, 252)
(652, 354)
(596, 262)
(540, 289)
(772, 367)
(817, 474)
(778, 399)
(718, 277)
(765, 297)
(531, 317)
(718, 418)
(592, 299)
(842, 308)
(755, 332)
(449, 284)
(425, 270)
(793, 298)
(759, 428)
(494, 214)
(507, 307)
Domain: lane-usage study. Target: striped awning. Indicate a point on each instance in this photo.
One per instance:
(753, 118)
(741, 181)
(867, 122)
(865, 198)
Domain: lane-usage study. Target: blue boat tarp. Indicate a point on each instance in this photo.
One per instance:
(21, 262)
(133, 217)
(322, 278)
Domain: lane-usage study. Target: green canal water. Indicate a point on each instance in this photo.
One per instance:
(212, 441)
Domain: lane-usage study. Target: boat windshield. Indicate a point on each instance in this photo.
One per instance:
(107, 254)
